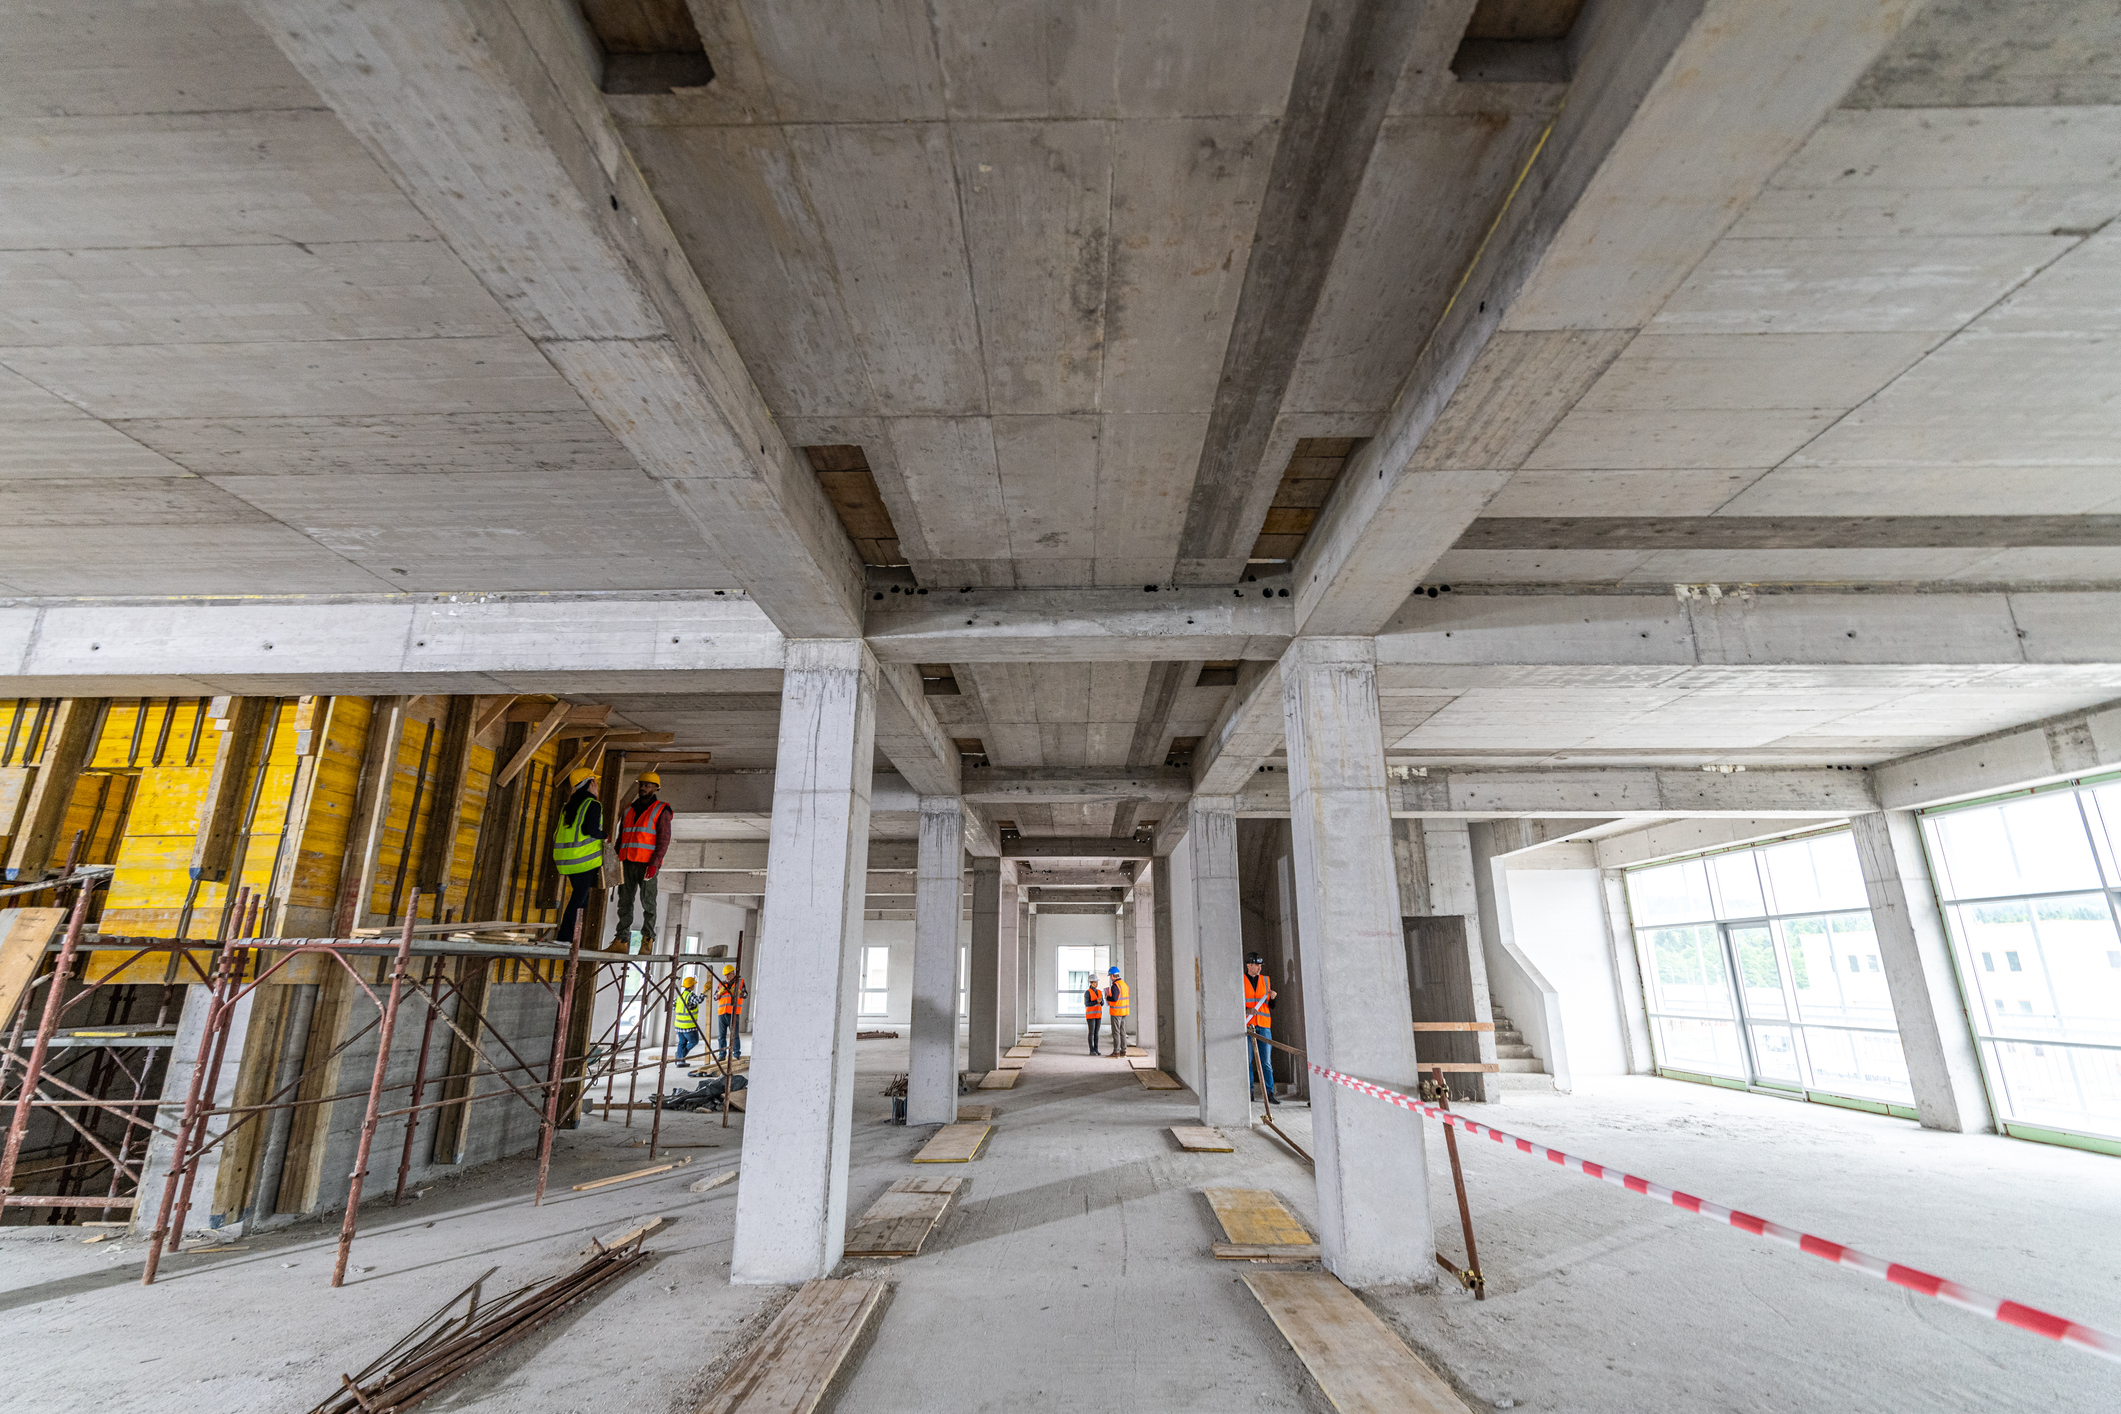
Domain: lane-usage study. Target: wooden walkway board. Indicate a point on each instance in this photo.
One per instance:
(899, 1222)
(1254, 1217)
(1156, 1080)
(1010, 1063)
(1241, 1252)
(954, 1144)
(1135, 1051)
(1356, 1359)
(1020, 1051)
(977, 1114)
(999, 1079)
(794, 1364)
(1199, 1139)
(1141, 1062)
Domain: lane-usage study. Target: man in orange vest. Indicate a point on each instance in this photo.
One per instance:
(1118, 1001)
(1259, 1019)
(729, 993)
(644, 838)
(1094, 1010)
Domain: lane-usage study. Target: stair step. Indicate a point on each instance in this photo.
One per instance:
(1534, 1066)
(1517, 1052)
(1508, 1037)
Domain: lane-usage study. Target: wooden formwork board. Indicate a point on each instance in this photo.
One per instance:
(1153, 1079)
(899, 1222)
(954, 1144)
(1199, 1139)
(999, 1079)
(1255, 1217)
(1360, 1364)
(794, 1364)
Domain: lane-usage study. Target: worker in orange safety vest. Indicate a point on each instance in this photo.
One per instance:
(1259, 1020)
(643, 839)
(1118, 1003)
(730, 991)
(1094, 1011)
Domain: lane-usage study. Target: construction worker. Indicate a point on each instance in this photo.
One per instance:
(729, 993)
(1094, 1010)
(578, 848)
(644, 838)
(1259, 1019)
(688, 1016)
(1117, 1005)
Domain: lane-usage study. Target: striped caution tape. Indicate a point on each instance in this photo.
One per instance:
(2011, 1313)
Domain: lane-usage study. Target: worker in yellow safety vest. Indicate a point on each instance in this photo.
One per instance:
(644, 838)
(1117, 1004)
(1094, 1011)
(688, 1016)
(578, 847)
(1259, 1020)
(729, 993)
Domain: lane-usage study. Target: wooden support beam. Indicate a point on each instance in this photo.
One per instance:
(555, 717)
(67, 745)
(576, 713)
(490, 711)
(452, 768)
(221, 813)
(371, 809)
(496, 849)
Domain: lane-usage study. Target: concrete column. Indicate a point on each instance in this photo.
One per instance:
(1166, 999)
(982, 1050)
(1144, 970)
(1218, 923)
(1129, 959)
(1447, 853)
(1627, 972)
(791, 1210)
(1942, 1064)
(1008, 964)
(750, 1008)
(1373, 1204)
(938, 891)
(1027, 959)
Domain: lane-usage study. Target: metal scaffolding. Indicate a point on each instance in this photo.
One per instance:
(241, 962)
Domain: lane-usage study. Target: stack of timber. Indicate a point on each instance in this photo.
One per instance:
(793, 1367)
(1258, 1227)
(899, 1222)
(447, 1344)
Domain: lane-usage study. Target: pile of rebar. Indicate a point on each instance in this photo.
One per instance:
(448, 1343)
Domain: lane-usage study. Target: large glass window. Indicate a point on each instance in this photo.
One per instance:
(1762, 967)
(1077, 966)
(2030, 888)
(876, 982)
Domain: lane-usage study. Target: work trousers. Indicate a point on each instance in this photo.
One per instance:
(636, 882)
(726, 1041)
(579, 888)
(688, 1037)
(1095, 1023)
(1263, 1057)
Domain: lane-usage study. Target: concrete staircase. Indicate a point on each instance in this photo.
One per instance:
(1521, 1069)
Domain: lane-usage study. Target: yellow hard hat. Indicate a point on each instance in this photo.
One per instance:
(650, 778)
(689, 982)
(729, 971)
(578, 776)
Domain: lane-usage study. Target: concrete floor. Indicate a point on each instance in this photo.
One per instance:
(1075, 1272)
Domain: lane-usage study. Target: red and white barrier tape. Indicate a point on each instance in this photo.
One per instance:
(2011, 1313)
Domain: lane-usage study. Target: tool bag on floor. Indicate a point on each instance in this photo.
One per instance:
(706, 1097)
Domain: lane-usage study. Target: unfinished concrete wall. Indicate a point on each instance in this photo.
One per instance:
(1557, 921)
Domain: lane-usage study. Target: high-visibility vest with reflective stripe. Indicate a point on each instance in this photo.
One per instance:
(637, 831)
(1257, 1012)
(1093, 1002)
(729, 995)
(1116, 996)
(572, 851)
(688, 1011)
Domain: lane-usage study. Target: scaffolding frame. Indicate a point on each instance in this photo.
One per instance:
(241, 962)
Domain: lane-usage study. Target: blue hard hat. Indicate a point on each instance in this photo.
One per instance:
(1113, 970)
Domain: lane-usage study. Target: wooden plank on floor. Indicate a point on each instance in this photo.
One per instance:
(795, 1363)
(930, 1183)
(1246, 1252)
(1356, 1359)
(1153, 1079)
(1020, 1051)
(1199, 1139)
(1254, 1217)
(1010, 1063)
(977, 1114)
(954, 1144)
(1141, 1062)
(999, 1079)
(899, 1222)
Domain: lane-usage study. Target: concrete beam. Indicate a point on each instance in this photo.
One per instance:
(1072, 878)
(402, 644)
(1082, 625)
(488, 116)
(749, 856)
(1603, 792)
(911, 738)
(2073, 744)
(1066, 783)
(1605, 225)
(1245, 735)
(1668, 839)
(1072, 847)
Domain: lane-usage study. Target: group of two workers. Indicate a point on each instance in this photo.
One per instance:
(1113, 999)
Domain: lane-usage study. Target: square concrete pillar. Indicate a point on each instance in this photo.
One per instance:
(1008, 962)
(1218, 923)
(1943, 1067)
(1373, 1204)
(938, 892)
(1144, 973)
(983, 1051)
(791, 1211)
(1164, 1006)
